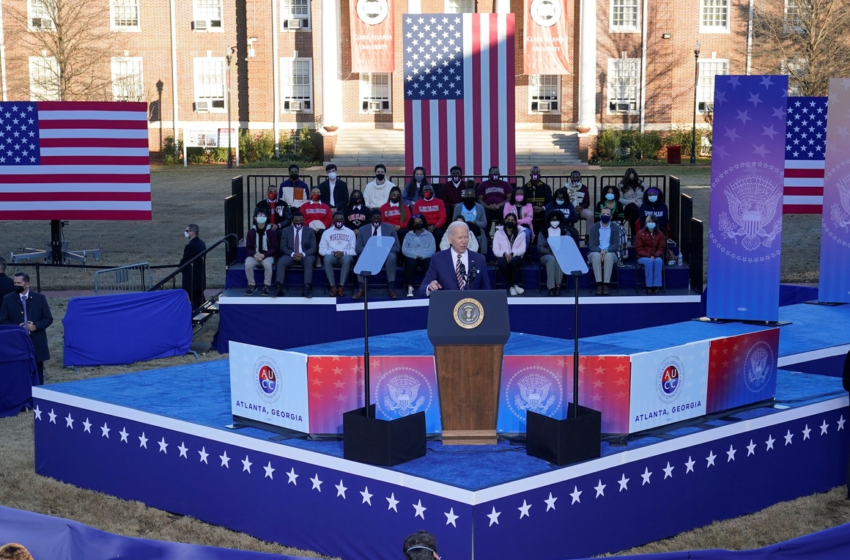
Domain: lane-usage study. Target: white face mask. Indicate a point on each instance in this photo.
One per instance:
(185, 234)
(261, 220)
(331, 174)
(554, 224)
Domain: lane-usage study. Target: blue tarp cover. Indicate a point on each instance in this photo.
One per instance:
(17, 370)
(122, 329)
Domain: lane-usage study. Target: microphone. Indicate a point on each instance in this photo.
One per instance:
(473, 272)
(462, 269)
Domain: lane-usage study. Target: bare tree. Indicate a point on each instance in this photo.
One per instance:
(806, 39)
(73, 45)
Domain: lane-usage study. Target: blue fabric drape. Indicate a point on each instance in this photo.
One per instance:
(17, 370)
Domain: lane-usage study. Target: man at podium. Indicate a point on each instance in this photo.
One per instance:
(456, 268)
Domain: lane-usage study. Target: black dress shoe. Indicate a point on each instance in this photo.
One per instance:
(308, 291)
(557, 291)
(250, 291)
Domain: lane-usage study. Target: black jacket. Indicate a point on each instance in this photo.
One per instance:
(282, 215)
(12, 313)
(340, 193)
(7, 286)
(194, 276)
(356, 218)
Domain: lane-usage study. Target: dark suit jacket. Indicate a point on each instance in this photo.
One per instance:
(365, 232)
(12, 313)
(309, 246)
(194, 276)
(340, 193)
(7, 286)
(442, 269)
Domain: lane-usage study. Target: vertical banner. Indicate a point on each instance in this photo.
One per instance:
(747, 183)
(546, 41)
(742, 370)
(372, 44)
(834, 282)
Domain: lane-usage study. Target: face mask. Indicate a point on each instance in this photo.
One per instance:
(609, 196)
(494, 177)
(293, 176)
(19, 289)
(559, 201)
(418, 226)
(653, 198)
(272, 196)
(605, 219)
(554, 224)
(456, 180)
(650, 226)
(520, 198)
(429, 195)
(380, 176)
(469, 199)
(419, 178)
(576, 182)
(261, 220)
(510, 225)
(535, 176)
(376, 223)
(314, 197)
(298, 226)
(394, 197)
(357, 201)
(331, 174)
(185, 234)
(338, 225)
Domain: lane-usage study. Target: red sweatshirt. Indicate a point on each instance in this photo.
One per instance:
(434, 211)
(392, 215)
(317, 211)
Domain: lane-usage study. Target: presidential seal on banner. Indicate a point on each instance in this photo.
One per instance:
(468, 313)
(372, 12)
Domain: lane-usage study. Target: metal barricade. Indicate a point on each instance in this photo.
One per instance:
(123, 280)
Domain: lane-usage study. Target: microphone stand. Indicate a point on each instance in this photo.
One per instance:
(366, 276)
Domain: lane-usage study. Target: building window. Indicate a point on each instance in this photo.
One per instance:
(295, 14)
(127, 84)
(39, 16)
(296, 81)
(125, 15)
(375, 93)
(209, 85)
(714, 16)
(459, 6)
(708, 69)
(543, 93)
(792, 16)
(623, 85)
(795, 69)
(207, 15)
(44, 79)
(624, 16)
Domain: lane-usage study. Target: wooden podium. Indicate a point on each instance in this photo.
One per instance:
(468, 330)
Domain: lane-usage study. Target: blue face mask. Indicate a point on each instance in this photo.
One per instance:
(559, 202)
(604, 218)
(650, 226)
(653, 198)
(609, 196)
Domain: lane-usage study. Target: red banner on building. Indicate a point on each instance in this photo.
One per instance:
(545, 49)
(372, 44)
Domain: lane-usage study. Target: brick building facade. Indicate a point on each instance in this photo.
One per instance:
(291, 63)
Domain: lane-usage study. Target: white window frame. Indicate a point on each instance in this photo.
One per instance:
(287, 94)
(556, 99)
(612, 87)
(784, 69)
(707, 5)
(367, 93)
(792, 16)
(204, 91)
(705, 85)
(37, 10)
(287, 12)
(203, 13)
(127, 86)
(459, 6)
(37, 91)
(125, 28)
(613, 27)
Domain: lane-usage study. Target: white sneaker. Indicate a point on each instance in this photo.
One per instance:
(519, 289)
(410, 291)
(513, 290)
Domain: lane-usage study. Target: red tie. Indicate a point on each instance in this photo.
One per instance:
(375, 233)
(297, 241)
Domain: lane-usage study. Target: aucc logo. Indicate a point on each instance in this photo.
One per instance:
(265, 379)
(546, 13)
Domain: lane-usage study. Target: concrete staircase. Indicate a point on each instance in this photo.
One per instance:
(365, 148)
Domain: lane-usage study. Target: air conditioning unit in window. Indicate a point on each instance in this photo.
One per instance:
(374, 106)
(218, 104)
(42, 23)
(544, 106)
(200, 25)
(292, 23)
(294, 105)
(215, 23)
(620, 107)
(202, 106)
(705, 106)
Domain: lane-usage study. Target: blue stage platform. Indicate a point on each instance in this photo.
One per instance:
(158, 437)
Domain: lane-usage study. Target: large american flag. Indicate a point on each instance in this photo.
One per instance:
(74, 161)
(805, 152)
(459, 92)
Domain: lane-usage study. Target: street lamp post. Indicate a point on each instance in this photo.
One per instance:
(229, 56)
(696, 87)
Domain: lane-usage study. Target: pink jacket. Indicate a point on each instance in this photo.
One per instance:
(501, 245)
(527, 213)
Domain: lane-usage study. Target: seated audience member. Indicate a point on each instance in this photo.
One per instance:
(378, 229)
(420, 546)
(293, 190)
(539, 194)
(611, 200)
(651, 247)
(509, 247)
(433, 210)
(377, 192)
(278, 211)
(298, 245)
(493, 194)
(333, 191)
(317, 214)
(15, 551)
(395, 213)
(474, 214)
(418, 246)
(579, 197)
(519, 206)
(562, 204)
(653, 205)
(473, 237)
(557, 228)
(605, 237)
(451, 193)
(338, 248)
(631, 196)
(413, 189)
(260, 248)
(356, 213)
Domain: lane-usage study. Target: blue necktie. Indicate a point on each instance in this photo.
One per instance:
(24, 305)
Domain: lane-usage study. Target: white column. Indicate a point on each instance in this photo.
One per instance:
(414, 6)
(331, 84)
(503, 6)
(587, 67)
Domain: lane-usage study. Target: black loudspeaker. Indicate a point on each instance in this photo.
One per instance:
(385, 443)
(564, 442)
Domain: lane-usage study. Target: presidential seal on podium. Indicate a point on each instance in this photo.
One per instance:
(468, 313)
